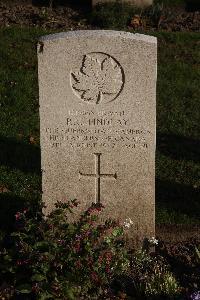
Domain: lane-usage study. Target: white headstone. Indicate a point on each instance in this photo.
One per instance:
(98, 120)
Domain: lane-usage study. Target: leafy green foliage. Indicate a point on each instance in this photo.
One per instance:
(152, 277)
(112, 15)
(53, 258)
(198, 253)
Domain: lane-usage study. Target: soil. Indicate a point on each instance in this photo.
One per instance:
(177, 245)
(183, 262)
(169, 20)
(72, 17)
(178, 233)
(23, 13)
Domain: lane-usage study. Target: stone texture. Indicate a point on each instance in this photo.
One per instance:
(97, 120)
(138, 3)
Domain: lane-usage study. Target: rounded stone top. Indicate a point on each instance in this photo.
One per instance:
(98, 33)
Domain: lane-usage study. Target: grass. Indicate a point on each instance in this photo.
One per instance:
(19, 122)
(178, 143)
(178, 126)
(171, 2)
(119, 14)
(112, 15)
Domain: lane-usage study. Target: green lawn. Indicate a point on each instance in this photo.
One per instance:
(178, 126)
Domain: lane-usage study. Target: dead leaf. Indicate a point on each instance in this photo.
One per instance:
(32, 140)
(3, 189)
(136, 21)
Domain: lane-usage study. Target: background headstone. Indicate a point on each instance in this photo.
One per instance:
(137, 3)
(97, 119)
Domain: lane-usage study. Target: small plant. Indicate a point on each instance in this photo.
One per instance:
(113, 15)
(151, 276)
(197, 250)
(195, 296)
(54, 258)
(154, 13)
(44, 14)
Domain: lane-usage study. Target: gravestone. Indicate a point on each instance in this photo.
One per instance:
(97, 120)
(137, 3)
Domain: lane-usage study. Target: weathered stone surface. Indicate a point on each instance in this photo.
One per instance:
(138, 3)
(97, 119)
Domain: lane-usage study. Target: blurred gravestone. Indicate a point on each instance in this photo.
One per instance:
(97, 120)
(55, 3)
(137, 3)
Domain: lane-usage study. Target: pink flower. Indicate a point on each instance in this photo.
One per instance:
(25, 211)
(78, 264)
(61, 242)
(18, 216)
(108, 256)
(77, 247)
(35, 288)
(108, 270)
(100, 259)
(19, 262)
(95, 209)
(95, 277)
(90, 261)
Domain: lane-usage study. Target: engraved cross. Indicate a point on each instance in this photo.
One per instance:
(98, 177)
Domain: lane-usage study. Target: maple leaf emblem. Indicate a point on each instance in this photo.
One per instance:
(99, 79)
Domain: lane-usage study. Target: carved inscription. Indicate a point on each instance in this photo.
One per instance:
(85, 129)
(98, 175)
(99, 80)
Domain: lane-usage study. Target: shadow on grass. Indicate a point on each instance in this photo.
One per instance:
(178, 147)
(9, 205)
(18, 155)
(178, 198)
(72, 3)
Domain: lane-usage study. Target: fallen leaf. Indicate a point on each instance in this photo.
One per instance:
(4, 189)
(32, 140)
(136, 21)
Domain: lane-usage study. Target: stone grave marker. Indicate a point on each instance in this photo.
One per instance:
(137, 3)
(97, 123)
